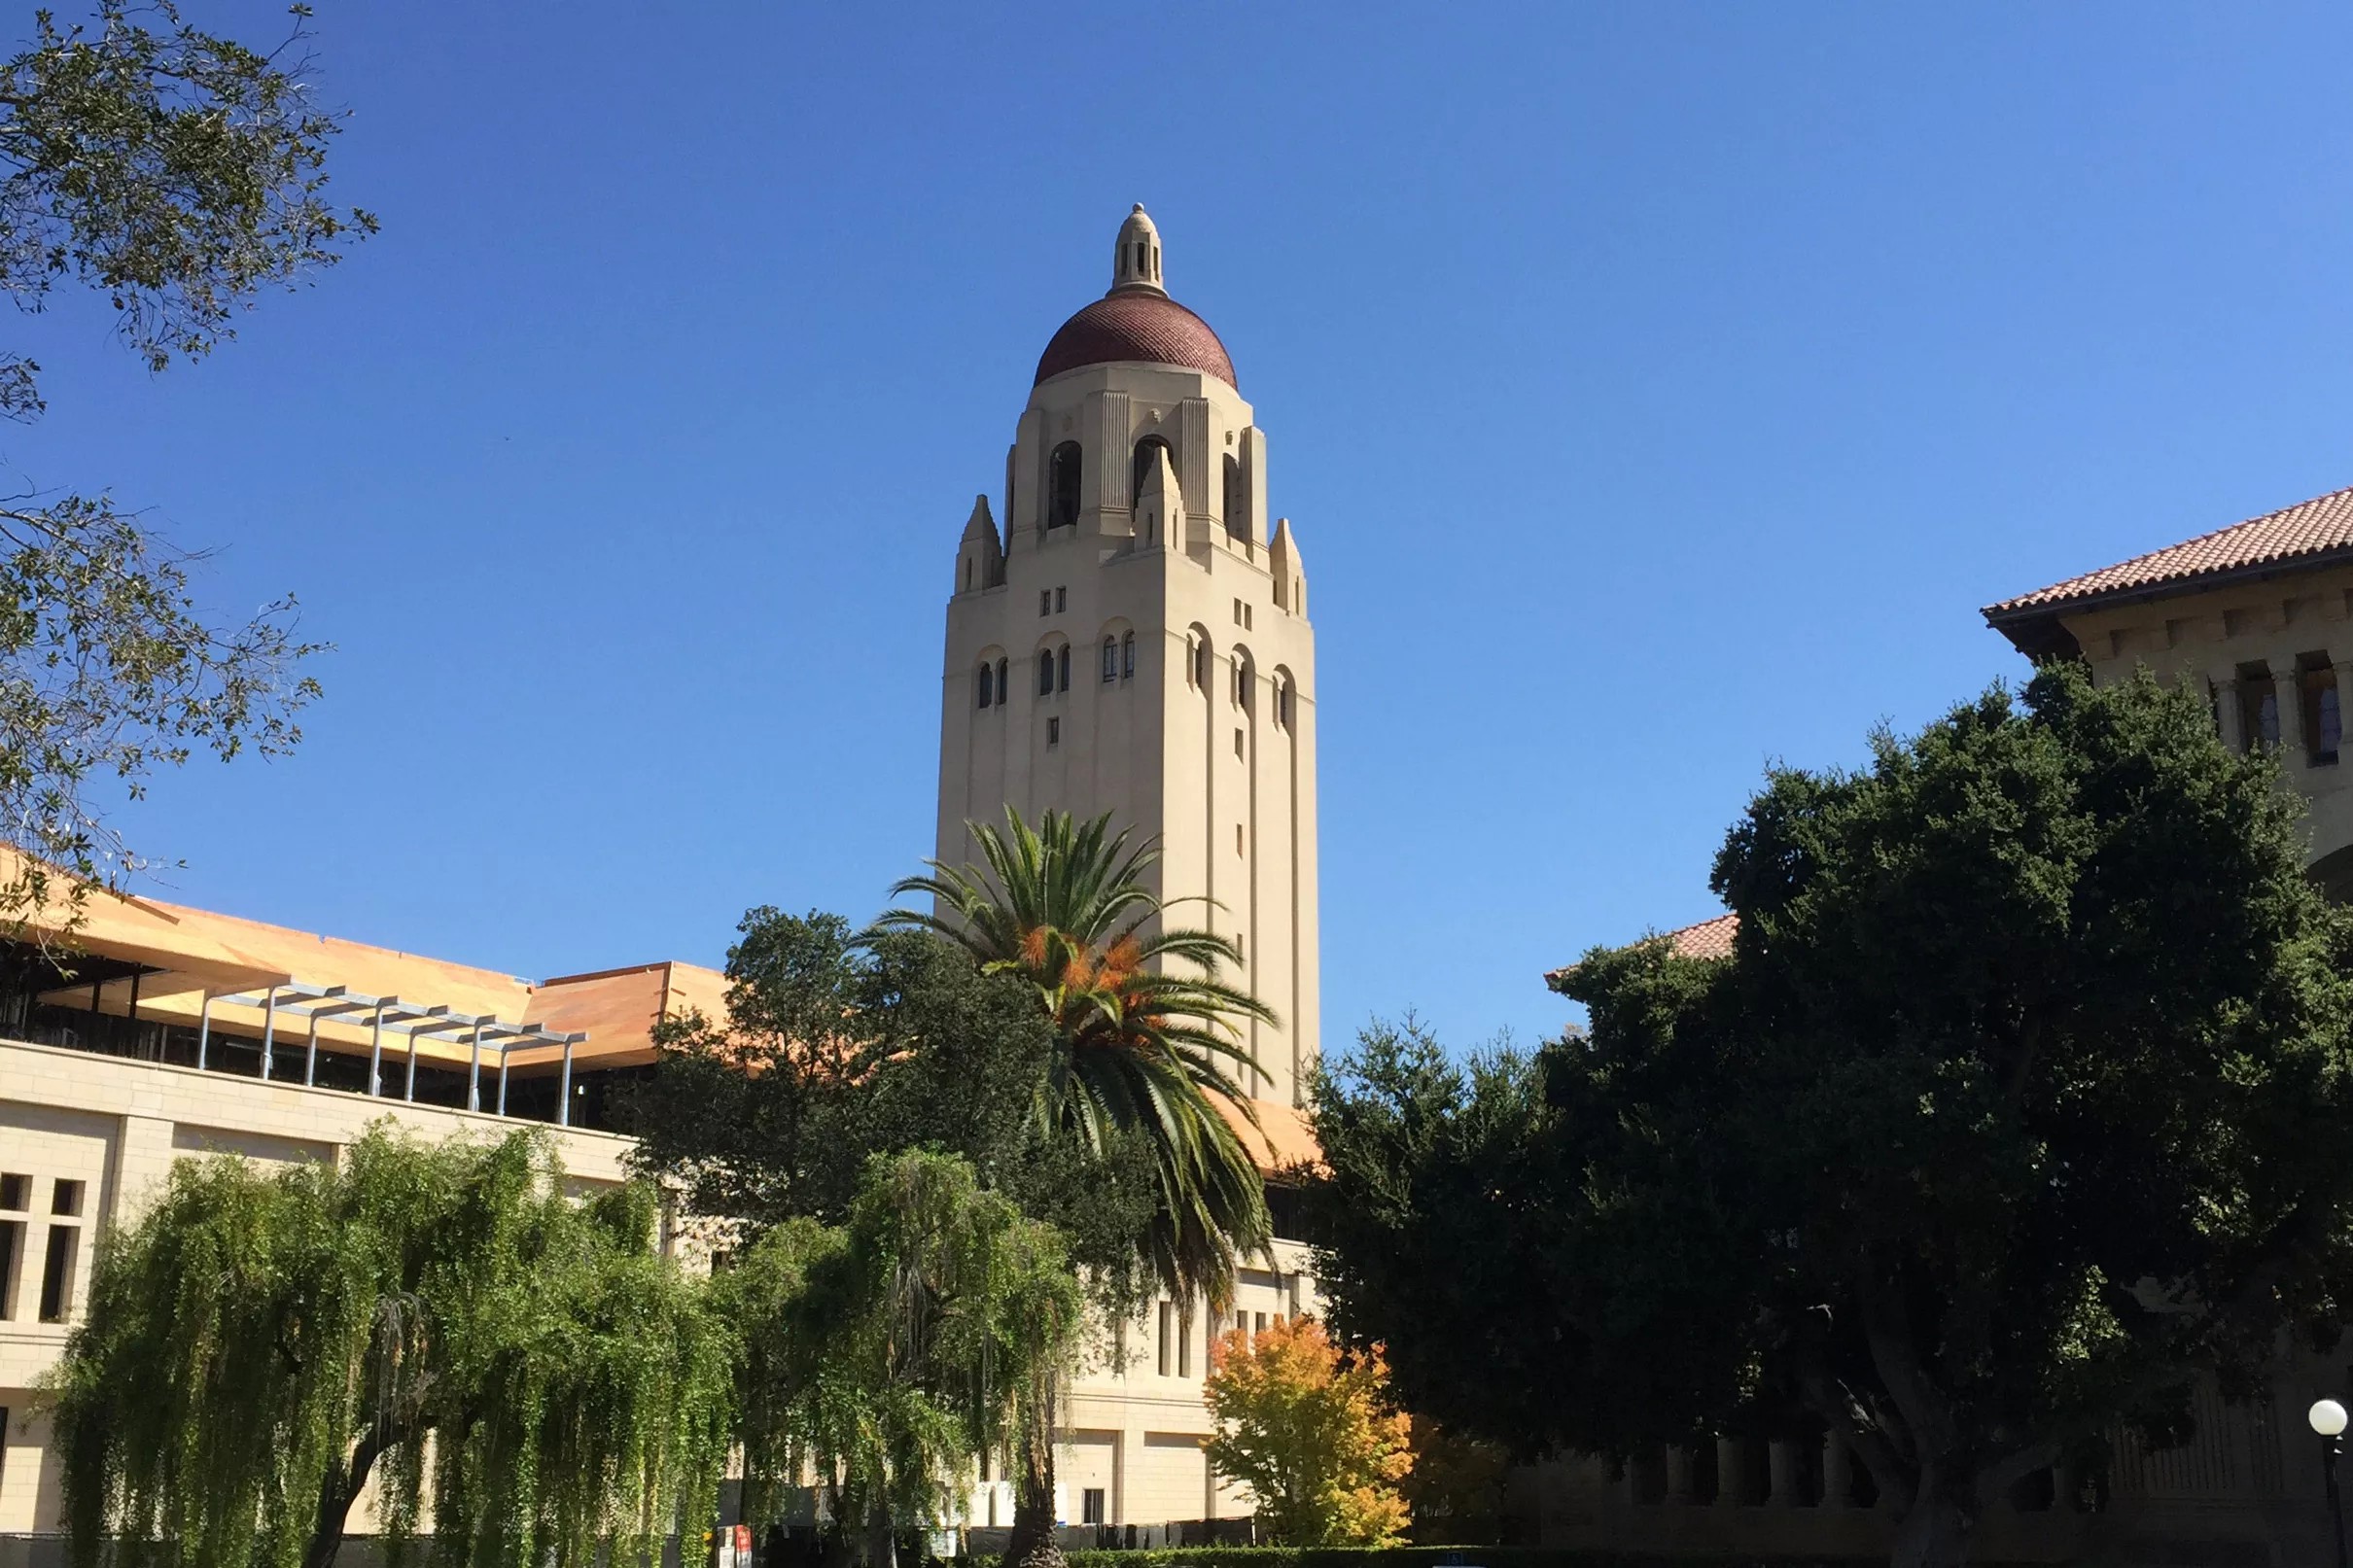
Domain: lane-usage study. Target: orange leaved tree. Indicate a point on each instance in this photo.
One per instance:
(1310, 1431)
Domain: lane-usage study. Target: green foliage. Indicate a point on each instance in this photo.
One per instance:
(177, 173)
(260, 1342)
(1143, 1028)
(890, 1352)
(834, 1051)
(1437, 1557)
(2017, 1107)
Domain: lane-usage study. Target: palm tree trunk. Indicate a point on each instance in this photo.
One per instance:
(1034, 1544)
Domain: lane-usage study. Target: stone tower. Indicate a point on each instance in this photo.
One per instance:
(1136, 639)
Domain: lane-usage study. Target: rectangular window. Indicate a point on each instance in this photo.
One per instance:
(1127, 657)
(12, 1252)
(1053, 732)
(1090, 1507)
(1167, 1334)
(1185, 1342)
(65, 1197)
(1245, 617)
(15, 1191)
(1261, 1321)
(1062, 662)
(1110, 661)
(1237, 742)
(1062, 599)
(58, 1273)
(1237, 612)
(1046, 601)
(1238, 848)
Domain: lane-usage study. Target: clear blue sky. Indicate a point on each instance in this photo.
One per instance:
(1655, 391)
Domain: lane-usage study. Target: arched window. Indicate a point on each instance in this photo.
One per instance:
(1283, 705)
(1237, 499)
(1127, 657)
(1063, 666)
(1004, 693)
(1111, 660)
(984, 688)
(1045, 672)
(1201, 665)
(1063, 472)
(1143, 463)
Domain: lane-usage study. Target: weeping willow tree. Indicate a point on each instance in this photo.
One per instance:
(439, 1318)
(887, 1356)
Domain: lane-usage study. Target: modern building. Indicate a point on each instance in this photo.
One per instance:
(1167, 675)
(2260, 616)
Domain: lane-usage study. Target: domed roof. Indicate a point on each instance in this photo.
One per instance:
(1136, 320)
(1136, 326)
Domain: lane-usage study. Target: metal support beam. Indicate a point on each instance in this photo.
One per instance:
(502, 1083)
(310, 1058)
(473, 1073)
(375, 1054)
(204, 1030)
(270, 1030)
(563, 1103)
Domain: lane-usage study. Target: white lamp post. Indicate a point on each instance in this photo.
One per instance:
(2327, 1418)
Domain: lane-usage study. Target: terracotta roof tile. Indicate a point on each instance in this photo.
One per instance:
(1709, 939)
(1136, 326)
(2321, 526)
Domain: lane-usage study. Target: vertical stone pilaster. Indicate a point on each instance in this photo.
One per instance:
(2231, 710)
(2287, 692)
(1113, 427)
(1731, 1471)
(1196, 461)
(1782, 1460)
(1838, 1472)
(1678, 1474)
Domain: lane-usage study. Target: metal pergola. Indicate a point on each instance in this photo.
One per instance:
(390, 1013)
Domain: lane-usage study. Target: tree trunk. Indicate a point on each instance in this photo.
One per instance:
(1935, 1530)
(338, 1492)
(882, 1541)
(1034, 1544)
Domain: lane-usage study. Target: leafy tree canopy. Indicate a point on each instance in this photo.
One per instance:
(890, 1352)
(2016, 1111)
(836, 1049)
(441, 1318)
(1309, 1430)
(178, 173)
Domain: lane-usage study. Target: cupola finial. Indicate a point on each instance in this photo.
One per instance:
(1136, 259)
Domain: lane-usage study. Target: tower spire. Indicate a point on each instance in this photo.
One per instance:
(1135, 257)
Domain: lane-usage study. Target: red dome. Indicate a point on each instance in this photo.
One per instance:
(1140, 324)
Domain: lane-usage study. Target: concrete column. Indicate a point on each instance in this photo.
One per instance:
(2229, 711)
(1782, 1460)
(1630, 1487)
(2288, 689)
(1678, 1474)
(1730, 1471)
(1838, 1472)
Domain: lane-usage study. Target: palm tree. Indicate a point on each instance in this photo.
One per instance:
(1145, 1033)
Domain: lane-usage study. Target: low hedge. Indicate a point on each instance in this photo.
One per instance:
(1438, 1558)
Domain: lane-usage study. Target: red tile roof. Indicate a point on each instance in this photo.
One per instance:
(1709, 939)
(2320, 527)
(1134, 325)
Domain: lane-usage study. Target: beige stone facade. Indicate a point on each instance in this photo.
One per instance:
(1136, 640)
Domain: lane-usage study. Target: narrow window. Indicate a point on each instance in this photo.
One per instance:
(1283, 705)
(1003, 691)
(1245, 617)
(1111, 660)
(1143, 262)
(1237, 612)
(2331, 728)
(1090, 1506)
(1062, 664)
(1127, 657)
(1053, 732)
(1200, 666)
(1064, 471)
(1062, 600)
(12, 1244)
(1237, 499)
(1238, 850)
(58, 1273)
(1045, 672)
(1259, 1320)
(65, 1197)
(1046, 601)
(15, 1191)
(1237, 742)
(968, 574)
(1185, 1342)
(982, 686)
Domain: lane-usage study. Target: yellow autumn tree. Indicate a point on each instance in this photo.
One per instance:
(1310, 1431)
